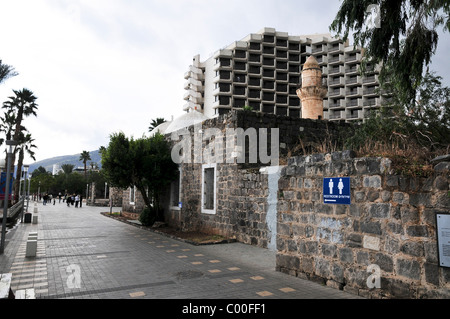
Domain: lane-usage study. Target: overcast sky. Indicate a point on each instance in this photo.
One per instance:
(104, 66)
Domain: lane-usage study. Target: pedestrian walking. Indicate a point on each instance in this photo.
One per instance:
(77, 200)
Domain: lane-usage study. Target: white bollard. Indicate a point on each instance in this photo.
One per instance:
(35, 219)
(32, 234)
(31, 248)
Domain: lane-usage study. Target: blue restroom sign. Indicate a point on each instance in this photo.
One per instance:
(336, 190)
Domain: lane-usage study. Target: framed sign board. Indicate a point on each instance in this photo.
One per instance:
(443, 238)
(336, 190)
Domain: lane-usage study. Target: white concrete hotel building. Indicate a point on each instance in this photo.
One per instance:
(263, 71)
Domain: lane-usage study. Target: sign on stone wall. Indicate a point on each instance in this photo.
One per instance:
(336, 190)
(443, 238)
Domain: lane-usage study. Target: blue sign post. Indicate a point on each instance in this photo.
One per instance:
(336, 190)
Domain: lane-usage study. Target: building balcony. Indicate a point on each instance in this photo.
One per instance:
(281, 54)
(353, 80)
(371, 79)
(281, 99)
(222, 101)
(334, 47)
(268, 62)
(254, 70)
(336, 115)
(254, 94)
(222, 79)
(191, 105)
(371, 90)
(268, 74)
(337, 92)
(254, 47)
(268, 85)
(240, 66)
(336, 81)
(223, 53)
(322, 59)
(268, 51)
(352, 57)
(254, 82)
(281, 77)
(336, 70)
(354, 114)
(319, 48)
(372, 102)
(294, 101)
(353, 91)
(336, 59)
(353, 69)
(254, 59)
(240, 55)
(239, 91)
(268, 97)
(294, 46)
(354, 102)
(332, 103)
(240, 79)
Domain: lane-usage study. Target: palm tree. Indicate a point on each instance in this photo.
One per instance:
(18, 107)
(6, 72)
(6, 125)
(21, 105)
(85, 156)
(25, 146)
(156, 123)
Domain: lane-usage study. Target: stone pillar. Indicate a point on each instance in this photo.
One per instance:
(312, 92)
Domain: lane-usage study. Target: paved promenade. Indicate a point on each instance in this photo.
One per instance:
(85, 255)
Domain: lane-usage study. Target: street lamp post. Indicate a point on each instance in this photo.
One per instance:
(106, 184)
(28, 192)
(87, 194)
(25, 170)
(10, 145)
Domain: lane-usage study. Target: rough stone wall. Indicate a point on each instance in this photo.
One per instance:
(390, 223)
(116, 196)
(242, 191)
(241, 204)
(129, 209)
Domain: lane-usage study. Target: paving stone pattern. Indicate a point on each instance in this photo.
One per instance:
(115, 260)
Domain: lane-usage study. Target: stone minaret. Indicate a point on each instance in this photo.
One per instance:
(312, 92)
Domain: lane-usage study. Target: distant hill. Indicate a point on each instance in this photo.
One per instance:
(66, 159)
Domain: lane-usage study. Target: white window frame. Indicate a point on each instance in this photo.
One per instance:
(132, 191)
(204, 210)
(179, 192)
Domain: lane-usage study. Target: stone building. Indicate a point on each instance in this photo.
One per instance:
(238, 178)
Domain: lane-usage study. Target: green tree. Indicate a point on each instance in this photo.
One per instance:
(145, 163)
(26, 147)
(22, 104)
(67, 168)
(155, 123)
(405, 41)
(6, 72)
(40, 170)
(415, 131)
(85, 156)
